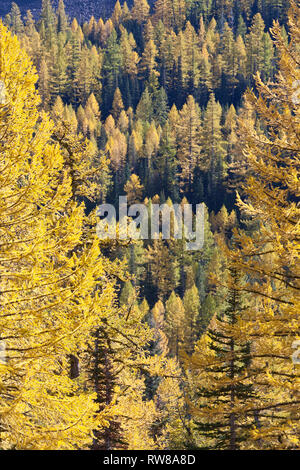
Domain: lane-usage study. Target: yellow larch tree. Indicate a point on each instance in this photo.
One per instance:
(189, 134)
(134, 189)
(140, 11)
(51, 294)
(269, 255)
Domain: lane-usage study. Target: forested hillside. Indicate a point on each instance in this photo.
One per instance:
(143, 344)
(82, 9)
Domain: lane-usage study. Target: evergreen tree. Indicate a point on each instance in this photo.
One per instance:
(160, 106)
(58, 71)
(62, 20)
(255, 45)
(103, 378)
(15, 19)
(221, 365)
(213, 152)
(166, 163)
(111, 66)
(144, 110)
(48, 23)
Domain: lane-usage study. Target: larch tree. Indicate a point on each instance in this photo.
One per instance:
(240, 55)
(175, 324)
(151, 143)
(117, 14)
(148, 61)
(191, 304)
(115, 371)
(51, 295)
(126, 15)
(129, 56)
(134, 189)
(15, 23)
(140, 11)
(163, 267)
(179, 14)
(190, 59)
(269, 255)
(157, 322)
(62, 19)
(189, 136)
(164, 12)
(166, 162)
(118, 105)
(31, 39)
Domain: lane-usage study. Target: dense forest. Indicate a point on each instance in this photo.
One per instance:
(81, 9)
(142, 344)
